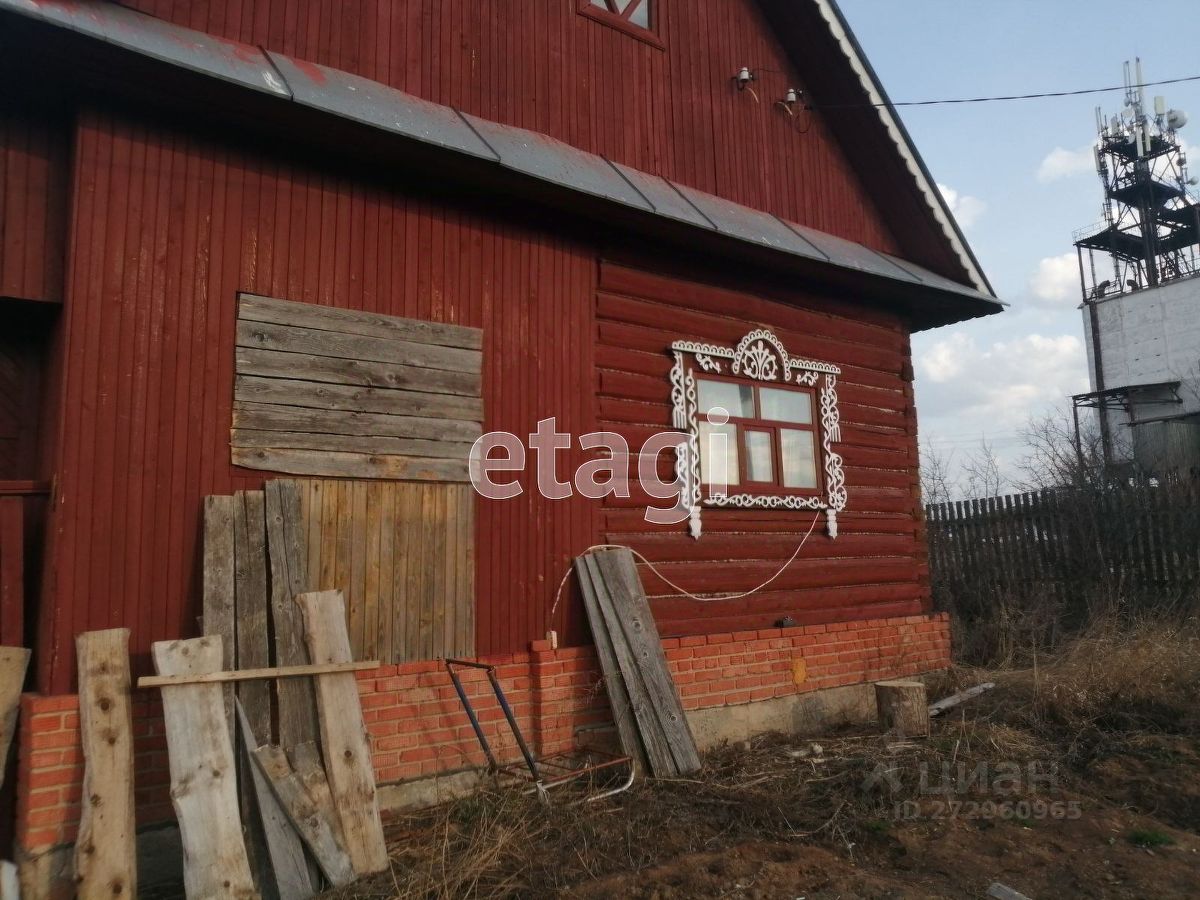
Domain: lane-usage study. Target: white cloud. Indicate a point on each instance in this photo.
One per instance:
(1063, 163)
(1056, 280)
(966, 209)
(994, 389)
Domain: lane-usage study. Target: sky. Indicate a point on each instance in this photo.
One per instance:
(1020, 178)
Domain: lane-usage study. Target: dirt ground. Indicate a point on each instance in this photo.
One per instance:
(1072, 779)
(1132, 835)
(953, 858)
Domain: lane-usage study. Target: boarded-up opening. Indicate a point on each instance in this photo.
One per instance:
(346, 393)
(403, 555)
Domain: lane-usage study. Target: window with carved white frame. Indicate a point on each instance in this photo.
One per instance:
(761, 426)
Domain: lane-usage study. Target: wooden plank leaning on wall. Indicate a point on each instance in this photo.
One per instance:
(105, 852)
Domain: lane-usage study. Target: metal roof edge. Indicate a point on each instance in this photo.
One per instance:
(241, 64)
(529, 154)
(899, 135)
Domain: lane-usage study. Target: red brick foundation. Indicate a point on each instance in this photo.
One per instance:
(418, 727)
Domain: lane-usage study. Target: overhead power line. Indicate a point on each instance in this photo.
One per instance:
(1005, 97)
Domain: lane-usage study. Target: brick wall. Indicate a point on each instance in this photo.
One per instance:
(418, 728)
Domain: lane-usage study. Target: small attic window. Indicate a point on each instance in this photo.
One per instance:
(634, 17)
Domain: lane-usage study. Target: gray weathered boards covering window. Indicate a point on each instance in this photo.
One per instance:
(352, 394)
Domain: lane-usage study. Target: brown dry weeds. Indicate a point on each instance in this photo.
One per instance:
(1115, 706)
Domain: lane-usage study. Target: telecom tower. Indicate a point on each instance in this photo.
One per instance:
(1141, 296)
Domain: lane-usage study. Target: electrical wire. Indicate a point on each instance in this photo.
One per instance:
(677, 588)
(1006, 97)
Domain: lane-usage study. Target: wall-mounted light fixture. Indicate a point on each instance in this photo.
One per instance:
(743, 78)
(789, 101)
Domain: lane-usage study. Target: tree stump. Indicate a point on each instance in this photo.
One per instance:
(902, 708)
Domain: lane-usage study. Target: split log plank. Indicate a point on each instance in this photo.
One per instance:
(289, 867)
(344, 736)
(314, 825)
(219, 581)
(940, 706)
(203, 783)
(106, 849)
(250, 568)
(352, 321)
(14, 661)
(636, 621)
(614, 682)
(306, 762)
(288, 553)
(307, 670)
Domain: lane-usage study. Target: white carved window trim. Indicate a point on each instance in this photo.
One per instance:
(759, 356)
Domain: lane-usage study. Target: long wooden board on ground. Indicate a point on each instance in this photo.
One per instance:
(343, 733)
(289, 868)
(940, 706)
(314, 817)
(287, 546)
(14, 661)
(203, 784)
(106, 849)
(618, 607)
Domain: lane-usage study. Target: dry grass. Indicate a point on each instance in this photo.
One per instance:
(1113, 682)
(1105, 692)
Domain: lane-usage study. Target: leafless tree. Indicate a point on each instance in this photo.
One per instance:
(1057, 457)
(936, 481)
(982, 473)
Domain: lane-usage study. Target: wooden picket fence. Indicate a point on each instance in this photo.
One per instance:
(1140, 543)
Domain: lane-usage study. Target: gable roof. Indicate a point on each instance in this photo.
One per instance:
(507, 159)
(843, 85)
(902, 141)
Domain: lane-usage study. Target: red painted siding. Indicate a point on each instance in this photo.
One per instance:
(541, 65)
(167, 229)
(33, 176)
(875, 568)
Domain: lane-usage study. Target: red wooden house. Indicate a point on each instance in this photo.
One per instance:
(626, 212)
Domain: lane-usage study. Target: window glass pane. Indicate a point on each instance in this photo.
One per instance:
(641, 13)
(799, 458)
(760, 456)
(735, 399)
(786, 406)
(718, 453)
(603, 4)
